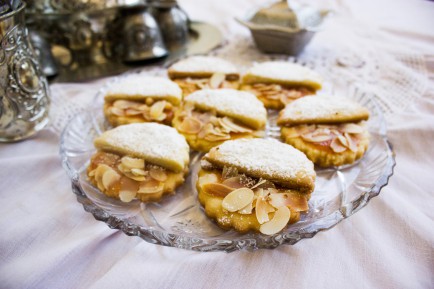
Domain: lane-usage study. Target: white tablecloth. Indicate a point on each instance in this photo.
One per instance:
(47, 240)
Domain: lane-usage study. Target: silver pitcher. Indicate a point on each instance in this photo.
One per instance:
(24, 98)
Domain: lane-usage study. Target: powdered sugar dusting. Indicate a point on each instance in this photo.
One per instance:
(204, 64)
(269, 156)
(152, 140)
(139, 84)
(285, 71)
(231, 102)
(320, 106)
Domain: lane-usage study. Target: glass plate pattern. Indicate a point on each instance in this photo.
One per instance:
(179, 220)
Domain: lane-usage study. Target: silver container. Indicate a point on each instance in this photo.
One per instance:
(284, 28)
(24, 98)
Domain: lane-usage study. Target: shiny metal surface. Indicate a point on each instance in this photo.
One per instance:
(43, 53)
(173, 23)
(285, 29)
(140, 35)
(202, 38)
(23, 88)
(101, 36)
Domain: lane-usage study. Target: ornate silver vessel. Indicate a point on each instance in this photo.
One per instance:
(23, 88)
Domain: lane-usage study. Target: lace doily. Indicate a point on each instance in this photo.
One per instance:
(347, 54)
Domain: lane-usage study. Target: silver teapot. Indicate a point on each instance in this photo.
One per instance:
(23, 87)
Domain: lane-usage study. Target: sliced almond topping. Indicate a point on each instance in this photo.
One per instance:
(217, 137)
(322, 131)
(117, 111)
(132, 111)
(352, 145)
(228, 123)
(261, 209)
(123, 168)
(280, 220)
(147, 114)
(91, 173)
(234, 182)
(295, 201)
(337, 146)
(259, 192)
(311, 137)
(190, 125)
(139, 172)
(127, 196)
(161, 117)
(109, 178)
(158, 174)
(133, 163)
(237, 199)
(204, 117)
(135, 177)
(303, 129)
(150, 187)
(217, 79)
(205, 130)
(142, 107)
(343, 140)
(216, 189)
(247, 209)
(207, 179)
(157, 109)
(351, 128)
(99, 172)
(124, 104)
(128, 184)
(261, 181)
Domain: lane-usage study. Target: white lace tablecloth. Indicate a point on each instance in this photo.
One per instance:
(385, 47)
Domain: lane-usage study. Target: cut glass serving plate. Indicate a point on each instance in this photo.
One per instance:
(179, 220)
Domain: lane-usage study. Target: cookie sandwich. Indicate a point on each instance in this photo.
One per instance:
(277, 83)
(137, 98)
(200, 72)
(142, 161)
(257, 185)
(330, 130)
(211, 116)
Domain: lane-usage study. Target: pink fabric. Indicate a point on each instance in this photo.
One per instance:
(47, 240)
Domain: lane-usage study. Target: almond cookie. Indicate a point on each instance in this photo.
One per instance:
(211, 116)
(199, 72)
(278, 83)
(137, 98)
(142, 160)
(330, 130)
(255, 184)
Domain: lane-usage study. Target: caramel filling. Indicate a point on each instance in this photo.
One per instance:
(217, 80)
(270, 203)
(338, 138)
(127, 178)
(148, 110)
(209, 126)
(278, 92)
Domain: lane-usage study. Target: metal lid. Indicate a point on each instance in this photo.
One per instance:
(289, 16)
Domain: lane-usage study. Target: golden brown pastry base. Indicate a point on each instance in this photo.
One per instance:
(173, 180)
(324, 156)
(116, 120)
(242, 223)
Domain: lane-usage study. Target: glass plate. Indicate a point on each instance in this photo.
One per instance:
(179, 220)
